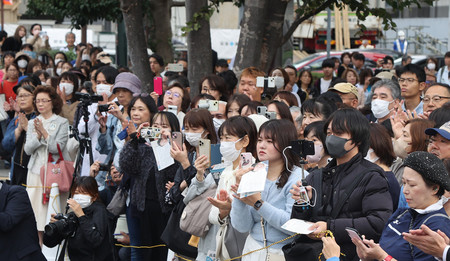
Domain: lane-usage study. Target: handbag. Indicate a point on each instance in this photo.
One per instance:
(117, 205)
(60, 172)
(176, 239)
(3, 114)
(195, 217)
(229, 242)
(270, 256)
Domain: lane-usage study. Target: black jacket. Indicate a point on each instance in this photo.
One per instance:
(367, 209)
(93, 239)
(18, 232)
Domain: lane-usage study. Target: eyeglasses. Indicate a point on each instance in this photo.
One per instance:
(43, 101)
(209, 90)
(410, 80)
(24, 96)
(436, 99)
(174, 94)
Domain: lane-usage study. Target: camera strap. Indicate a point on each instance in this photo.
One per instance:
(63, 250)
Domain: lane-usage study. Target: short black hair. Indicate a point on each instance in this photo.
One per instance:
(292, 67)
(414, 69)
(109, 72)
(345, 54)
(358, 56)
(158, 58)
(447, 55)
(3, 34)
(387, 57)
(230, 80)
(318, 128)
(317, 108)
(353, 122)
(180, 79)
(222, 63)
(328, 63)
(440, 115)
(32, 26)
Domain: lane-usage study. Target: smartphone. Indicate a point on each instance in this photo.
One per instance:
(213, 105)
(271, 115)
(204, 148)
(173, 109)
(246, 160)
(174, 67)
(157, 85)
(303, 148)
(353, 233)
(261, 110)
(177, 138)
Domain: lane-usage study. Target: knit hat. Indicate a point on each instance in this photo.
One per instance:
(428, 166)
(127, 81)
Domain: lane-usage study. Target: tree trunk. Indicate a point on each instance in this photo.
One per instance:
(199, 47)
(251, 37)
(83, 34)
(137, 44)
(161, 31)
(273, 33)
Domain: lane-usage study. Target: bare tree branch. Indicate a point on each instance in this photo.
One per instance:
(304, 17)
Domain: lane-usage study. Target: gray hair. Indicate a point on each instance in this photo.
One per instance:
(69, 33)
(391, 85)
(299, 118)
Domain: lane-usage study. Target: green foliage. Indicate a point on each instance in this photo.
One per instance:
(360, 7)
(80, 12)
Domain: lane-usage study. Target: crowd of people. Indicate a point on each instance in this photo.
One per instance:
(372, 185)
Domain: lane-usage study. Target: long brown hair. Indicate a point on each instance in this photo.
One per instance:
(417, 133)
(281, 132)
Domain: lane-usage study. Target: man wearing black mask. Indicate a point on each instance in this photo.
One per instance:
(350, 191)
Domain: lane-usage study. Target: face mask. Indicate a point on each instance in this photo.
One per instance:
(431, 66)
(44, 83)
(104, 88)
(229, 151)
(401, 38)
(218, 123)
(369, 156)
(380, 108)
(68, 86)
(57, 61)
(193, 138)
(85, 57)
(336, 145)
(22, 64)
(400, 148)
(317, 154)
(83, 200)
(58, 71)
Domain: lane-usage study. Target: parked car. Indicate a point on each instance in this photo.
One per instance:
(421, 60)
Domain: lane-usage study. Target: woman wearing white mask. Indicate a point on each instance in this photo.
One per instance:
(431, 70)
(198, 124)
(237, 135)
(105, 77)
(67, 86)
(381, 152)
(92, 239)
(315, 132)
(385, 100)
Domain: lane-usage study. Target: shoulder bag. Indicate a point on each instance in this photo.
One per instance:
(117, 205)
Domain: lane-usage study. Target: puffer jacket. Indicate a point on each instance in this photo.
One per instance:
(367, 209)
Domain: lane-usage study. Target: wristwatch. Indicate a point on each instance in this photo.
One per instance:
(258, 204)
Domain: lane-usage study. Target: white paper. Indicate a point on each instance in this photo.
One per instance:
(298, 226)
(253, 181)
(162, 154)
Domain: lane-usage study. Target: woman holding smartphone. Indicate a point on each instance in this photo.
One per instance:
(263, 214)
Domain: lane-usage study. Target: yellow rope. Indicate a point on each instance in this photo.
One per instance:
(155, 246)
(28, 186)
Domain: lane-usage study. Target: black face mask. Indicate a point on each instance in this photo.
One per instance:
(336, 146)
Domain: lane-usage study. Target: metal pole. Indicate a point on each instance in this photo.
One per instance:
(3, 15)
(328, 32)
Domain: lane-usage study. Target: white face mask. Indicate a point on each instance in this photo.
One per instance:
(380, 108)
(68, 86)
(85, 57)
(83, 200)
(57, 61)
(218, 123)
(317, 154)
(193, 138)
(229, 151)
(58, 71)
(369, 156)
(401, 38)
(22, 64)
(431, 66)
(104, 88)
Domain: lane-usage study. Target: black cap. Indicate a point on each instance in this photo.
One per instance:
(429, 166)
